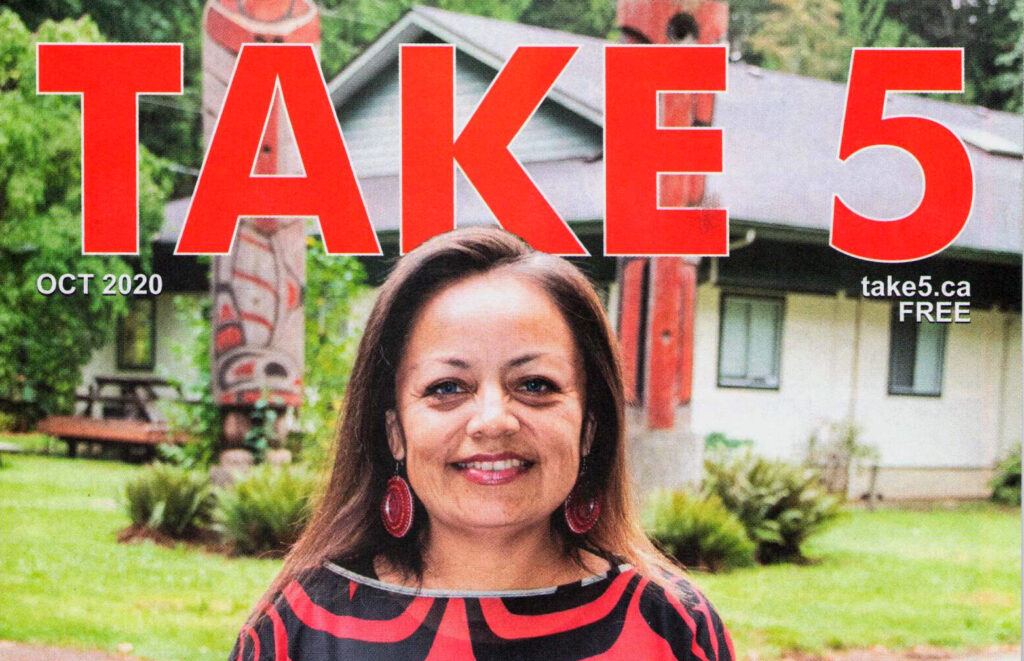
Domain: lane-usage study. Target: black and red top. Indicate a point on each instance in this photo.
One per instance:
(334, 613)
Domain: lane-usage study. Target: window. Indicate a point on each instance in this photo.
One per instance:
(136, 336)
(916, 352)
(750, 341)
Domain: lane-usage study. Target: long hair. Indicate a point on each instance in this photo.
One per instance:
(345, 525)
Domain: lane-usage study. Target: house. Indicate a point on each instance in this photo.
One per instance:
(789, 334)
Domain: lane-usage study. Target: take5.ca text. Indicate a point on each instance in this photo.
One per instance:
(919, 308)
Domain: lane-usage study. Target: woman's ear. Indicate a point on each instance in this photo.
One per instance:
(396, 439)
(587, 437)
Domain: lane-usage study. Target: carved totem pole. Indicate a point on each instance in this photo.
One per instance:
(658, 294)
(257, 289)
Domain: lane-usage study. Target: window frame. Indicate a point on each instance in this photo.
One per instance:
(150, 364)
(779, 324)
(900, 391)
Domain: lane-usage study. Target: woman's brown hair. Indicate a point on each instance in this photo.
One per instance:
(346, 527)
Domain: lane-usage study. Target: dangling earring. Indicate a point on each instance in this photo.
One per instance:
(582, 509)
(396, 509)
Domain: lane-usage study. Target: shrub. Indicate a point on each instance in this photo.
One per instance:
(1006, 483)
(717, 441)
(698, 532)
(265, 512)
(779, 504)
(170, 500)
(835, 450)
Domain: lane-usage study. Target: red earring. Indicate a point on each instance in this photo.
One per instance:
(396, 509)
(581, 511)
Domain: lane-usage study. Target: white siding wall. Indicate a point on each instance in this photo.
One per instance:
(170, 332)
(971, 424)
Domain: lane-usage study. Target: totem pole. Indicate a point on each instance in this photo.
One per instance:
(658, 294)
(257, 289)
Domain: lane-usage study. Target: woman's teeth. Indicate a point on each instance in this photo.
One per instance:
(502, 465)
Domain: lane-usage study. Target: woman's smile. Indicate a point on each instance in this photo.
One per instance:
(493, 469)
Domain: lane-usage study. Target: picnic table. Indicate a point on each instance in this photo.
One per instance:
(118, 410)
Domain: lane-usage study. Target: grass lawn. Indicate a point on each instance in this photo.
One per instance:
(948, 577)
(64, 579)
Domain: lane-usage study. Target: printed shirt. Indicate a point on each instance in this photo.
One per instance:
(334, 613)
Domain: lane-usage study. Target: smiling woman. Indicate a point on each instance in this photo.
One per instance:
(479, 504)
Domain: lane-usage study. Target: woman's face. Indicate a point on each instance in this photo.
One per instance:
(489, 405)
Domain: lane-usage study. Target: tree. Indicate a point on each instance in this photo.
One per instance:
(171, 124)
(45, 340)
(803, 37)
(989, 31)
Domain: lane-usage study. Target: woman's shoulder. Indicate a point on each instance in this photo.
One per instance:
(677, 611)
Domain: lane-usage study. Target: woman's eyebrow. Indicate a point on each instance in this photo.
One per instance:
(525, 358)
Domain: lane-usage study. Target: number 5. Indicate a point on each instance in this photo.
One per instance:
(948, 179)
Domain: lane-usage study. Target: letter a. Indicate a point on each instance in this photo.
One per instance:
(227, 188)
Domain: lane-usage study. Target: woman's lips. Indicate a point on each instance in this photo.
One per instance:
(493, 469)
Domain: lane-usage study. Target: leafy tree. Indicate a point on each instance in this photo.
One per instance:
(804, 37)
(592, 17)
(865, 24)
(45, 340)
(1011, 80)
(170, 125)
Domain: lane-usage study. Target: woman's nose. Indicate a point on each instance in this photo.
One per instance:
(493, 415)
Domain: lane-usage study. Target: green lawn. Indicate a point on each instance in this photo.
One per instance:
(65, 580)
(946, 577)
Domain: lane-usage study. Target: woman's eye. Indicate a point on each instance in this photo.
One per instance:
(537, 386)
(444, 388)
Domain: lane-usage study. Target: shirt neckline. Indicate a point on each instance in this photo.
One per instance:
(613, 571)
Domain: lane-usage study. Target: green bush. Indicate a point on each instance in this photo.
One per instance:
(265, 512)
(1006, 484)
(779, 504)
(698, 532)
(717, 441)
(170, 500)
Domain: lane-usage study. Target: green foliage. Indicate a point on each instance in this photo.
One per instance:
(698, 532)
(265, 512)
(199, 416)
(8, 422)
(595, 18)
(172, 124)
(262, 430)
(333, 284)
(717, 441)
(1010, 80)
(45, 340)
(803, 37)
(835, 449)
(1006, 483)
(779, 504)
(170, 500)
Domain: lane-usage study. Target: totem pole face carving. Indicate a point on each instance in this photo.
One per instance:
(258, 314)
(258, 329)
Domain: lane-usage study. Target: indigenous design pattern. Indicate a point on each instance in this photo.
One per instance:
(335, 614)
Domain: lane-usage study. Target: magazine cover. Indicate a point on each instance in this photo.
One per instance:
(561, 329)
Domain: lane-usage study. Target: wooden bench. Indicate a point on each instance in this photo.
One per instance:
(126, 433)
(129, 420)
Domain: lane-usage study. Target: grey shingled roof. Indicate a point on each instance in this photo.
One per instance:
(780, 146)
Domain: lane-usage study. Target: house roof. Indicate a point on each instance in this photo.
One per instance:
(781, 137)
